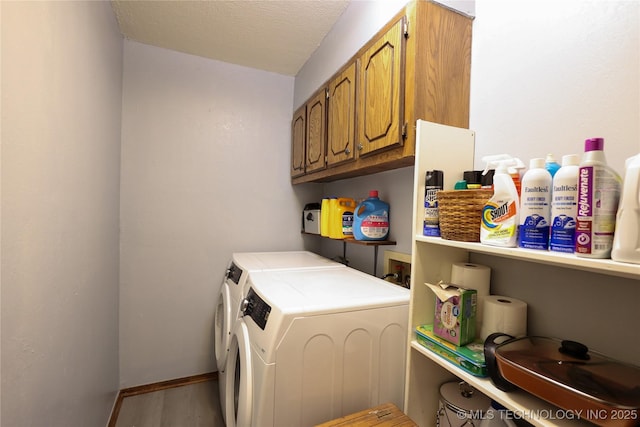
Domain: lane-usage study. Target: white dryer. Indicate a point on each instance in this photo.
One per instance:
(315, 345)
(232, 292)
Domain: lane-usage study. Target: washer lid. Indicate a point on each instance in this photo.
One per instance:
(258, 261)
(325, 290)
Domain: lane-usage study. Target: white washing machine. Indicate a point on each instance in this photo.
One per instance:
(315, 345)
(232, 292)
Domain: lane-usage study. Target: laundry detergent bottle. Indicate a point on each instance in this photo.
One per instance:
(342, 219)
(598, 197)
(626, 242)
(501, 214)
(564, 205)
(371, 219)
(535, 207)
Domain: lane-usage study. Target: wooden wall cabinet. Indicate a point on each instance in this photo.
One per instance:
(309, 135)
(341, 116)
(315, 158)
(381, 92)
(298, 141)
(418, 66)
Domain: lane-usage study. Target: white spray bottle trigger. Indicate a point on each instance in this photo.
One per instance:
(516, 168)
(502, 163)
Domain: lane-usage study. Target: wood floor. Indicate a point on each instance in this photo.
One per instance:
(191, 405)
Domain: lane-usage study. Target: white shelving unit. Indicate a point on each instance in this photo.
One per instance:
(602, 266)
(431, 261)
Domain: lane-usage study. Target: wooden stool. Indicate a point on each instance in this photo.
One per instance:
(385, 415)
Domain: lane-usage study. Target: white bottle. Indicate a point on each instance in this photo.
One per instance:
(564, 205)
(598, 196)
(500, 215)
(535, 207)
(626, 242)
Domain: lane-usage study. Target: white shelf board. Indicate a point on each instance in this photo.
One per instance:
(534, 410)
(602, 266)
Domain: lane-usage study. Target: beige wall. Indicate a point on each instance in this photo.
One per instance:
(61, 103)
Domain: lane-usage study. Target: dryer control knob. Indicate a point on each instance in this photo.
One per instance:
(246, 307)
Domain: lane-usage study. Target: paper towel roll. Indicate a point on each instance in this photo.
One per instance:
(473, 276)
(504, 314)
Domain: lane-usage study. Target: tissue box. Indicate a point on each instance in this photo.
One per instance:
(455, 313)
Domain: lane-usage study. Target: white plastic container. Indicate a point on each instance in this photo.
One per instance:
(500, 215)
(626, 242)
(564, 205)
(598, 197)
(535, 207)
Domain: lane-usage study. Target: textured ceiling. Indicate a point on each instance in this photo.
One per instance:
(270, 35)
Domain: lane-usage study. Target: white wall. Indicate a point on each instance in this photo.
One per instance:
(547, 75)
(205, 172)
(61, 103)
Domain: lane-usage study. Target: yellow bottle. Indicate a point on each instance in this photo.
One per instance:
(324, 217)
(341, 226)
(331, 229)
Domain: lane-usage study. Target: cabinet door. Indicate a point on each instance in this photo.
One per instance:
(381, 93)
(341, 116)
(298, 141)
(316, 131)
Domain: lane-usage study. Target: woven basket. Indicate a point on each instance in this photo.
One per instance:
(460, 213)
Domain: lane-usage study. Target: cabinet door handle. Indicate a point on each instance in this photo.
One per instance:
(360, 146)
(347, 151)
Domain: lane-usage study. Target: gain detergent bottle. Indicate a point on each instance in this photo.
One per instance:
(371, 219)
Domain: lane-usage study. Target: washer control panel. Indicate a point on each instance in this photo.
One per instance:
(256, 308)
(234, 272)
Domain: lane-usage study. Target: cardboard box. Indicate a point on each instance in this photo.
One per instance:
(469, 357)
(455, 314)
